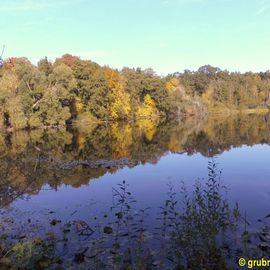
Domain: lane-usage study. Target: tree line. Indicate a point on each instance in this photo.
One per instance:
(70, 89)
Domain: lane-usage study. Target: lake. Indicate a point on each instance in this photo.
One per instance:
(52, 177)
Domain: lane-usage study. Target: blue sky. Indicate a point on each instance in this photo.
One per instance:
(167, 35)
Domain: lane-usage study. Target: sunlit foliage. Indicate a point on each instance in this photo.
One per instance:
(74, 90)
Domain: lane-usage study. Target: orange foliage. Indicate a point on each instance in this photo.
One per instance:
(68, 60)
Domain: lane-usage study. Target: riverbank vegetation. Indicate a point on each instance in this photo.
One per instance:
(197, 228)
(73, 90)
(184, 235)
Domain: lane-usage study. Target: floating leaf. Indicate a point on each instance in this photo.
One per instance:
(55, 221)
(108, 230)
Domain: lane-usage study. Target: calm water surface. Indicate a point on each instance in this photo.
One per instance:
(75, 170)
(70, 174)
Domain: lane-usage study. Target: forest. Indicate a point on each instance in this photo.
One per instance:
(71, 90)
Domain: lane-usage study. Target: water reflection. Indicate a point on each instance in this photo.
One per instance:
(191, 231)
(29, 160)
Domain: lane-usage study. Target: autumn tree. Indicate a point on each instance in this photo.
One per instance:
(120, 106)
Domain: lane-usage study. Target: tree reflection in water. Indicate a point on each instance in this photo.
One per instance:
(29, 160)
(195, 229)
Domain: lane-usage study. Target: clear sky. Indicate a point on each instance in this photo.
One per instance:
(167, 35)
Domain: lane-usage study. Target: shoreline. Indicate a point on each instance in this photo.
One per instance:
(78, 123)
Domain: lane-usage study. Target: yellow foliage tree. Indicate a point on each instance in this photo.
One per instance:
(148, 108)
(78, 106)
(120, 107)
(172, 84)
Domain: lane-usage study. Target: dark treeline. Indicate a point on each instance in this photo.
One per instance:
(71, 89)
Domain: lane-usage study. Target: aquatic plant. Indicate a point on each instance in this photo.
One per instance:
(194, 229)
